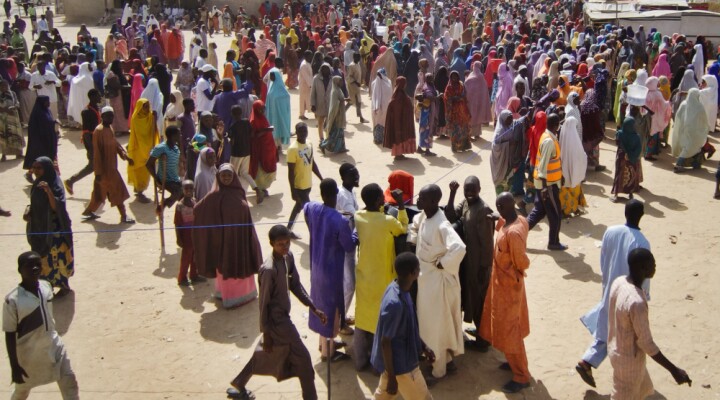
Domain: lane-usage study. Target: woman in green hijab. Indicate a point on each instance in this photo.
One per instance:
(17, 41)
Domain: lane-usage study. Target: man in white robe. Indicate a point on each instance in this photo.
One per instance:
(618, 241)
(440, 251)
(305, 79)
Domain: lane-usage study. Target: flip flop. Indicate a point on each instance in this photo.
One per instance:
(585, 375)
(233, 393)
(90, 217)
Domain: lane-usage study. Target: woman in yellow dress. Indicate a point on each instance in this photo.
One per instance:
(143, 137)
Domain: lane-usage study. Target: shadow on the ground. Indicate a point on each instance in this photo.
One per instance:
(11, 163)
(575, 265)
(169, 263)
(194, 297)
(593, 395)
(237, 326)
(412, 165)
(64, 312)
(270, 208)
(108, 234)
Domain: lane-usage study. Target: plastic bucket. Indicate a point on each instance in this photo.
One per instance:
(636, 95)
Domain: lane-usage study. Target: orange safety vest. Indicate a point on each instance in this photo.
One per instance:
(554, 168)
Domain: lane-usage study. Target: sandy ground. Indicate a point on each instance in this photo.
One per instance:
(132, 333)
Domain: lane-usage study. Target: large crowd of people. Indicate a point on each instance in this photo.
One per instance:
(204, 129)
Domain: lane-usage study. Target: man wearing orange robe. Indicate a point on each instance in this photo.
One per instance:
(505, 320)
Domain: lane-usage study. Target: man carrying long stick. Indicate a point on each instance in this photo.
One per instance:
(167, 171)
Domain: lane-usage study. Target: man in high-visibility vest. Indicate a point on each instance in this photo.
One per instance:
(548, 178)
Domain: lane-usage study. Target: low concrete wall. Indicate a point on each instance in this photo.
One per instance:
(90, 11)
(84, 11)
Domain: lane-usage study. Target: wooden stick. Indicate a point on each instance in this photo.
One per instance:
(163, 160)
(328, 342)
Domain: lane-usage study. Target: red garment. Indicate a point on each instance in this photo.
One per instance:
(174, 45)
(404, 181)
(534, 133)
(492, 68)
(263, 151)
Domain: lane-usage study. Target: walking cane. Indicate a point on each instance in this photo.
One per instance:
(327, 345)
(161, 214)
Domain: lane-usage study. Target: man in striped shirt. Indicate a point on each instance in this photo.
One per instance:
(168, 152)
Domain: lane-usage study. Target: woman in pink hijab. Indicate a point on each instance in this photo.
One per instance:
(505, 87)
(478, 97)
(662, 67)
(135, 91)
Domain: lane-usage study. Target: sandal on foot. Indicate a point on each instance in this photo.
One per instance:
(585, 374)
(90, 217)
(514, 387)
(68, 187)
(244, 394)
(505, 366)
(557, 247)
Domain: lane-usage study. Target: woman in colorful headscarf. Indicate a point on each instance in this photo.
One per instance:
(263, 151)
(457, 114)
(698, 62)
(427, 103)
(229, 73)
(574, 167)
(619, 88)
(504, 88)
(143, 137)
(385, 60)
(400, 123)
(553, 75)
(156, 98)
(493, 64)
(628, 172)
(478, 100)
(17, 41)
(661, 110)
(381, 93)
(48, 214)
(689, 132)
(680, 94)
(565, 89)
(231, 252)
(205, 172)
(292, 64)
(277, 108)
(175, 48)
(109, 49)
(662, 67)
(335, 122)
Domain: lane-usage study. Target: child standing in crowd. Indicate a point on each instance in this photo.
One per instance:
(184, 220)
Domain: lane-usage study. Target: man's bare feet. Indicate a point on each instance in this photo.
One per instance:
(260, 195)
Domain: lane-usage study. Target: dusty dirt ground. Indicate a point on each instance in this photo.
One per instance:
(132, 333)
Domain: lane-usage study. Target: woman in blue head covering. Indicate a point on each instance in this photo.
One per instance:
(458, 63)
